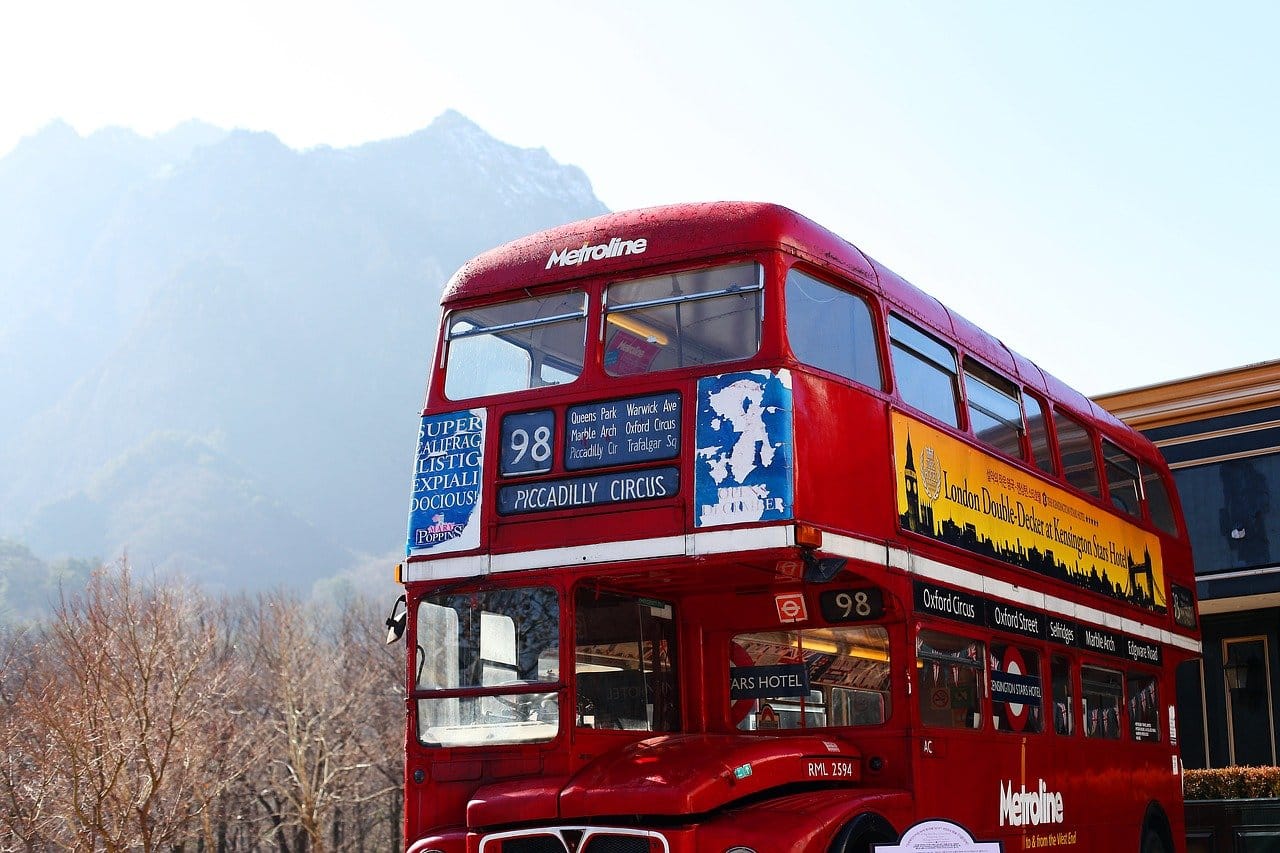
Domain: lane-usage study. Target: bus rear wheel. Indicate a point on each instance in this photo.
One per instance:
(859, 834)
(1152, 842)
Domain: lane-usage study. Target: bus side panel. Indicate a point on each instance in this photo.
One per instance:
(844, 465)
(1105, 787)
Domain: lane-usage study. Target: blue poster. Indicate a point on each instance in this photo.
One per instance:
(444, 513)
(744, 463)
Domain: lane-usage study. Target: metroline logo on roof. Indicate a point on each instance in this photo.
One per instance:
(586, 252)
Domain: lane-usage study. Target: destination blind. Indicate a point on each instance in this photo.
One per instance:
(622, 432)
(972, 609)
(573, 492)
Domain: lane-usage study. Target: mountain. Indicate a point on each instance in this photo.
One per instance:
(213, 347)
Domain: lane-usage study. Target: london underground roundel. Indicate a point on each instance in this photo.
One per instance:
(1016, 712)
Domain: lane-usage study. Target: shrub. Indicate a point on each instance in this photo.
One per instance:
(1232, 783)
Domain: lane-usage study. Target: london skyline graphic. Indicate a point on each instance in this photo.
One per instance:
(919, 517)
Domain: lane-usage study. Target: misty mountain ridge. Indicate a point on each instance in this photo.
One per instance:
(213, 347)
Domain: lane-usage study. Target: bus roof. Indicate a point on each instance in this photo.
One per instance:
(675, 232)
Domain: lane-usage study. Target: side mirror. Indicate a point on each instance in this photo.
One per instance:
(821, 569)
(395, 623)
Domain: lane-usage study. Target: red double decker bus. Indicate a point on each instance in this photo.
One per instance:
(725, 538)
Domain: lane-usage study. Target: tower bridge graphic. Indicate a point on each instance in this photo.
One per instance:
(1137, 586)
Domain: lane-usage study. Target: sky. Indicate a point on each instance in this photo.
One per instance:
(1095, 183)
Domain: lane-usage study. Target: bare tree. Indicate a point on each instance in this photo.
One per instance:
(26, 776)
(325, 712)
(148, 717)
(131, 708)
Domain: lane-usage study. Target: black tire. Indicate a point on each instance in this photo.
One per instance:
(1153, 842)
(859, 834)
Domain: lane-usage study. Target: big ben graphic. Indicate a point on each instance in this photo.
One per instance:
(917, 518)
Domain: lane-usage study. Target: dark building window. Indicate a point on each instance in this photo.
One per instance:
(1227, 507)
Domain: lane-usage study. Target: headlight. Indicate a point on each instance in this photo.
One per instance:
(739, 850)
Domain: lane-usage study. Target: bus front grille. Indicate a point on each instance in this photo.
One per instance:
(534, 844)
(575, 839)
(617, 844)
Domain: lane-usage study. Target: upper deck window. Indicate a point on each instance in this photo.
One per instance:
(925, 370)
(512, 346)
(1075, 448)
(831, 329)
(1038, 431)
(683, 319)
(1122, 479)
(1158, 503)
(995, 411)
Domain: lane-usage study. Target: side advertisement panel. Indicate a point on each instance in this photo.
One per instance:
(953, 493)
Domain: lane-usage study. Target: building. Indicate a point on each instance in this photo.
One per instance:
(1221, 436)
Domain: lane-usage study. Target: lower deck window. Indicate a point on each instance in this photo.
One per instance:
(949, 670)
(500, 646)
(1017, 689)
(1064, 706)
(808, 679)
(1103, 690)
(625, 663)
(1143, 706)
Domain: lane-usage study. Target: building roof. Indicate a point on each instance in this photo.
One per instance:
(1224, 392)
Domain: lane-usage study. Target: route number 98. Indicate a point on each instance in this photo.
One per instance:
(851, 605)
(526, 442)
(539, 451)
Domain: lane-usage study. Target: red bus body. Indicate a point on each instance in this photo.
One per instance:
(899, 644)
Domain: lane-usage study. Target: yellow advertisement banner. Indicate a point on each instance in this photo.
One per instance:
(956, 494)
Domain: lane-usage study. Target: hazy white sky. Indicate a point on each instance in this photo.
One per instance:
(1097, 183)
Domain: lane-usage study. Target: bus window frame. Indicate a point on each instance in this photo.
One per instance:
(971, 369)
(1046, 418)
(1110, 462)
(649, 679)
(761, 290)
(535, 364)
(875, 313)
(737, 711)
(1074, 721)
(554, 688)
(1023, 645)
(896, 343)
(1116, 667)
(1131, 673)
(1091, 441)
(1166, 520)
(983, 711)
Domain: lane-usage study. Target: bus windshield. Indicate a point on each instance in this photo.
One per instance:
(513, 346)
(506, 640)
